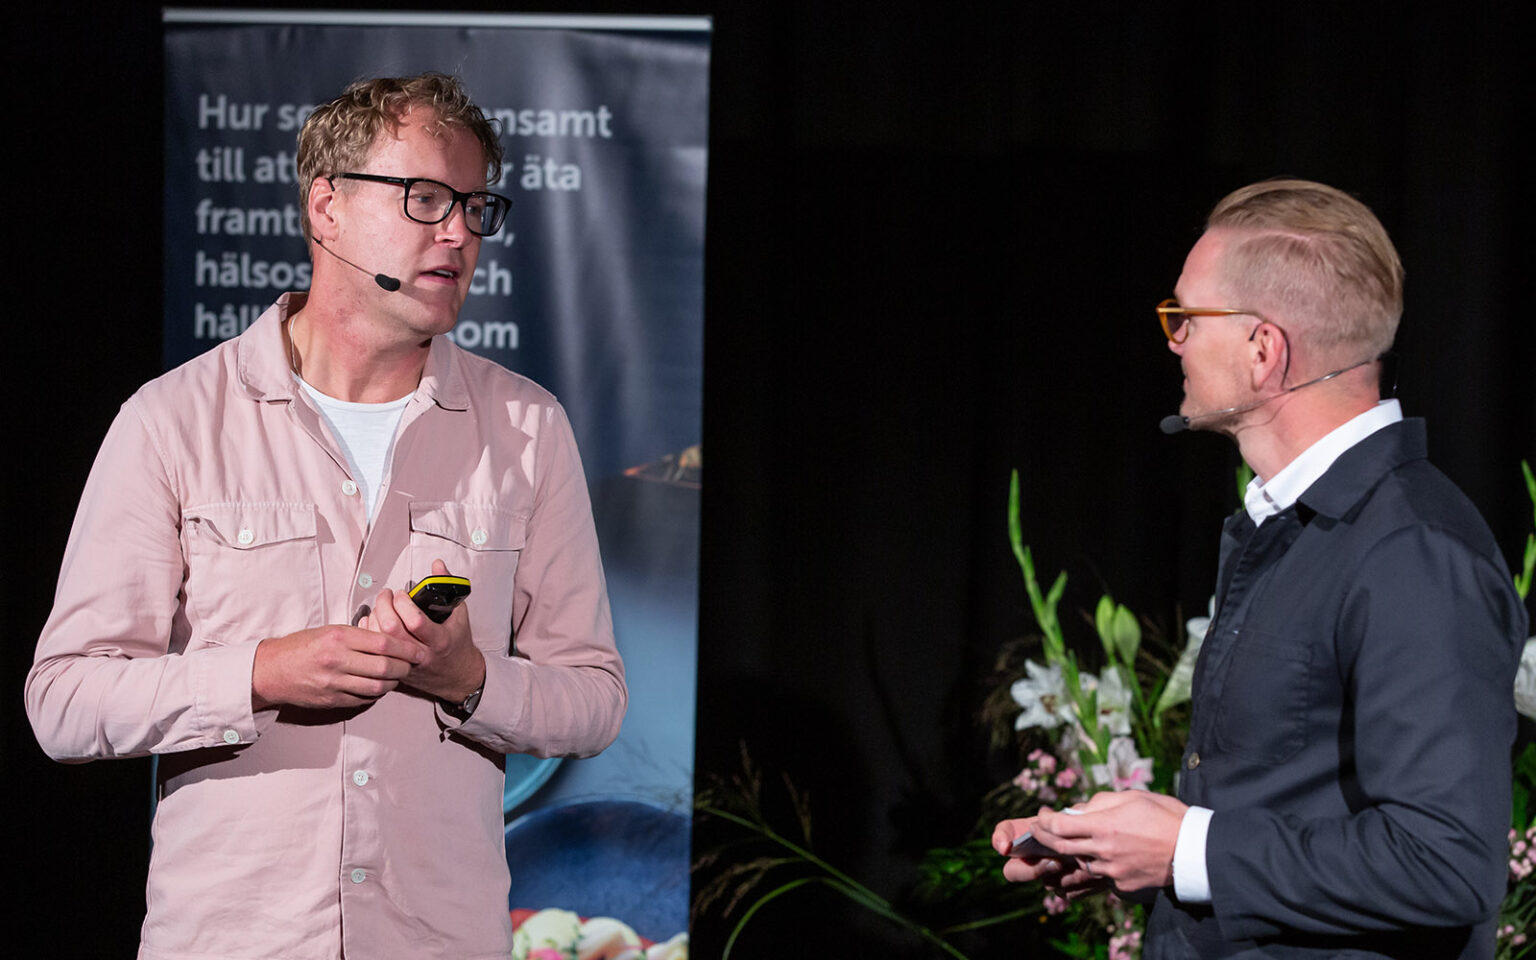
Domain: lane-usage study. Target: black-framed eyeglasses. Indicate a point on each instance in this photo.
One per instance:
(431, 201)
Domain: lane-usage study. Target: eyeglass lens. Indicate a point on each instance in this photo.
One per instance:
(1172, 317)
(428, 201)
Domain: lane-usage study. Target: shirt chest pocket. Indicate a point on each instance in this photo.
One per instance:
(253, 571)
(478, 541)
(1266, 695)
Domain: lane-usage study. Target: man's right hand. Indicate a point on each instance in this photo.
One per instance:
(1049, 870)
(330, 666)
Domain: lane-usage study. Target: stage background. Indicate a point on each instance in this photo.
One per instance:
(935, 238)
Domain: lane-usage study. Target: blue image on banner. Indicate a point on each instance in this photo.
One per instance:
(594, 289)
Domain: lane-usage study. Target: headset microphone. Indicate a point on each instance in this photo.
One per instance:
(384, 280)
(1178, 423)
(1173, 424)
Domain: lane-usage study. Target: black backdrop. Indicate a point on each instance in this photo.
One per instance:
(936, 232)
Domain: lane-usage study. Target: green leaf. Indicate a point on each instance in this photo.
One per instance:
(1244, 476)
(1015, 527)
(1073, 946)
(1524, 774)
(1057, 589)
(1127, 634)
(1044, 605)
(1103, 622)
(1530, 486)
(1528, 568)
(757, 905)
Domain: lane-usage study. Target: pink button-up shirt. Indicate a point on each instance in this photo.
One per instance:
(220, 511)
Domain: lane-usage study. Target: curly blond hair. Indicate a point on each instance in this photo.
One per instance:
(337, 136)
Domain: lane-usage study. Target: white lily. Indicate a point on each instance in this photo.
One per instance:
(1043, 695)
(1176, 690)
(1114, 701)
(1525, 681)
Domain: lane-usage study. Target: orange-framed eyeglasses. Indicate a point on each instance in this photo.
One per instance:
(1172, 317)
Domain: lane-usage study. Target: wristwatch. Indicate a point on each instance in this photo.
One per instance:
(465, 708)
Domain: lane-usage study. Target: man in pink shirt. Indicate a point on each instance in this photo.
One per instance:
(233, 599)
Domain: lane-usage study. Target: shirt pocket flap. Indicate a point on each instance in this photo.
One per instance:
(246, 526)
(472, 526)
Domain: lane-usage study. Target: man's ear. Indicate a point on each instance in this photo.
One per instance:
(322, 220)
(1270, 353)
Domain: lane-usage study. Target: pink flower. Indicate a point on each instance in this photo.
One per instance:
(1126, 946)
(1066, 779)
(1124, 769)
(545, 953)
(1054, 904)
(1047, 763)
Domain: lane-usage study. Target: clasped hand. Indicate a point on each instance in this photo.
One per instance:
(1123, 840)
(349, 666)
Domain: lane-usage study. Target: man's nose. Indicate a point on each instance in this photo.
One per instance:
(454, 228)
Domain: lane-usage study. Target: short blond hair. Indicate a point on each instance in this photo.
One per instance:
(337, 136)
(1317, 256)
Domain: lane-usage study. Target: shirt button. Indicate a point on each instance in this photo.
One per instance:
(365, 581)
(231, 737)
(245, 536)
(360, 777)
(1193, 761)
(478, 537)
(349, 488)
(359, 875)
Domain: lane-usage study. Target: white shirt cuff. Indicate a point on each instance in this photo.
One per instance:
(1190, 881)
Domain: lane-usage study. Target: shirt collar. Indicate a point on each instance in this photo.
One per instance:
(1265, 498)
(266, 373)
(261, 353)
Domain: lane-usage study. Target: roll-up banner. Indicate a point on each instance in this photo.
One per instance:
(594, 289)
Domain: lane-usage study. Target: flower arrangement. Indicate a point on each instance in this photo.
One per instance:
(1517, 915)
(1076, 732)
(1072, 732)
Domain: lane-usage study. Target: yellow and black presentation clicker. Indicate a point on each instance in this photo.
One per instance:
(437, 596)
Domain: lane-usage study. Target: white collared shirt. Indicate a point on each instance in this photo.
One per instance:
(1262, 500)
(1266, 498)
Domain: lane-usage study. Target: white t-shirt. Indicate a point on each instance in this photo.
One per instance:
(366, 434)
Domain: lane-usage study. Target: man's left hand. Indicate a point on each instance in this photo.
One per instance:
(454, 667)
(1125, 837)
